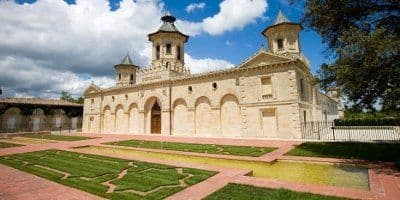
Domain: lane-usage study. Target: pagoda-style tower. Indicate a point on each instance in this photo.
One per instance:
(283, 37)
(125, 72)
(168, 47)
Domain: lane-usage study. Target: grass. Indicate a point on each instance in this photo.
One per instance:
(87, 172)
(388, 152)
(7, 145)
(198, 148)
(238, 192)
(58, 137)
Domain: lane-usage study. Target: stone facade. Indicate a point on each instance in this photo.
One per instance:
(269, 95)
(34, 114)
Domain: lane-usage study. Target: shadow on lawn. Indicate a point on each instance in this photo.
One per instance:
(384, 157)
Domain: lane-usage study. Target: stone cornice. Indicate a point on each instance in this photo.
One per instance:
(165, 83)
(270, 103)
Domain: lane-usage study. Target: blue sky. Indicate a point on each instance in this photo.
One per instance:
(235, 46)
(79, 41)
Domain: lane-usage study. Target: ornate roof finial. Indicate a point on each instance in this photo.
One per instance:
(168, 18)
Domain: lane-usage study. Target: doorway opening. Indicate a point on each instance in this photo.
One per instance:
(156, 119)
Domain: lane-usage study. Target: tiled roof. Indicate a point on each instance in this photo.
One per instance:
(168, 26)
(39, 101)
(127, 60)
(281, 18)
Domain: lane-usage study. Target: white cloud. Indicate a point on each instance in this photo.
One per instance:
(193, 6)
(205, 64)
(50, 46)
(27, 77)
(233, 14)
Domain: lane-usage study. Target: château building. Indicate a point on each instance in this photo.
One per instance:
(268, 95)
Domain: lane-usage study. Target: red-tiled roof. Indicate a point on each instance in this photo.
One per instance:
(38, 101)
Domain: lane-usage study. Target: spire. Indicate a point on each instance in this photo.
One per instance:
(127, 60)
(281, 18)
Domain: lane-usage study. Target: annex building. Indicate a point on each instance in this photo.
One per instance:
(268, 95)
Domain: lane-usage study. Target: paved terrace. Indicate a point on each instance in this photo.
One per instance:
(15, 184)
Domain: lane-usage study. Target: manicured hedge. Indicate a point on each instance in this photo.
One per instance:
(368, 122)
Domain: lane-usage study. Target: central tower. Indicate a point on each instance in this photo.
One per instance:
(168, 47)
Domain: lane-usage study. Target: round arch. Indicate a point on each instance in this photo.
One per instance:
(119, 107)
(106, 107)
(179, 101)
(205, 121)
(153, 115)
(11, 118)
(120, 119)
(13, 110)
(182, 123)
(133, 121)
(108, 120)
(230, 115)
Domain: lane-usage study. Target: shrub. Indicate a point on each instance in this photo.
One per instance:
(367, 122)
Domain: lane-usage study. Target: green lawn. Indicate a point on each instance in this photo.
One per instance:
(90, 173)
(349, 150)
(238, 191)
(7, 145)
(58, 137)
(199, 148)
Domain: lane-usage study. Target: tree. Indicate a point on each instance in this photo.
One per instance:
(326, 77)
(364, 35)
(68, 97)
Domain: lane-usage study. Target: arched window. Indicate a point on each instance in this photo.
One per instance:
(178, 52)
(131, 79)
(167, 65)
(158, 52)
(280, 43)
(168, 48)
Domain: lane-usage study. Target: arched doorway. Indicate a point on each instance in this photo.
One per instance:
(156, 119)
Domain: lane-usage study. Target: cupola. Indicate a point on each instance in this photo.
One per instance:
(125, 72)
(168, 46)
(283, 36)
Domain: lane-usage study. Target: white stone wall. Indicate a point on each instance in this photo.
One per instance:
(235, 108)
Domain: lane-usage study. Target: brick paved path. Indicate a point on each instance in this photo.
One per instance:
(15, 184)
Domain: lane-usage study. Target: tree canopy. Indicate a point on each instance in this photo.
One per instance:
(364, 35)
(68, 97)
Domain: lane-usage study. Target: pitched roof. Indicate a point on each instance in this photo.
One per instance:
(127, 60)
(168, 26)
(281, 18)
(39, 101)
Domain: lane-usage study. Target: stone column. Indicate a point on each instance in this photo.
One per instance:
(142, 123)
(165, 122)
(191, 120)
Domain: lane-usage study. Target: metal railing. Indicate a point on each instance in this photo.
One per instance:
(22, 124)
(328, 131)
